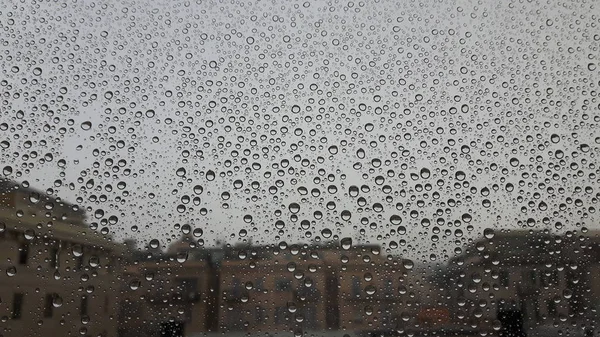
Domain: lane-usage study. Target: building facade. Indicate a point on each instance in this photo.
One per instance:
(529, 277)
(259, 289)
(58, 277)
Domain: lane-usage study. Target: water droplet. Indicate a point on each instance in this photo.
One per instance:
(7, 170)
(353, 191)
(11, 271)
(154, 244)
(57, 301)
(488, 233)
(134, 284)
(279, 224)
(34, 197)
(346, 243)
(238, 184)
(77, 250)
(182, 256)
(294, 208)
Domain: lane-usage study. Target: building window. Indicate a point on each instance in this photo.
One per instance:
(549, 278)
(551, 307)
(79, 262)
(356, 289)
(49, 305)
(83, 306)
(260, 314)
(53, 257)
(188, 287)
(260, 284)
(310, 317)
(23, 253)
(111, 265)
(236, 287)
(283, 285)
(235, 320)
(358, 315)
(388, 288)
(106, 303)
(504, 278)
(280, 313)
(536, 309)
(554, 277)
(532, 277)
(17, 308)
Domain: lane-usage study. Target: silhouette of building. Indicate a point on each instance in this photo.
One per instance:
(272, 288)
(521, 279)
(168, 293)
(58, 277)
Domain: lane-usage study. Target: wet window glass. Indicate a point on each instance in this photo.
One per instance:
(299, 168)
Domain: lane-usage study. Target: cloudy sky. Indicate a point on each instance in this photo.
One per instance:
(415, 125)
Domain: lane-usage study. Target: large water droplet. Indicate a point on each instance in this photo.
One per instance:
(346, 243)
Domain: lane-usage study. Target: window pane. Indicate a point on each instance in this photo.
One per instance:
(311, 168)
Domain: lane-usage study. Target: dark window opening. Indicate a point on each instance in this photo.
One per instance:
(260, 285)
(551, 307)
(283, 285)
(53, 257)
(17, 308)
(260, 315)
(79, 262)
(188, 287)
(504, 278)
(236, 288)
(83, 307)
(356, 286)
(280, 315)
(106, 303)
(23, 253)
(49, 305)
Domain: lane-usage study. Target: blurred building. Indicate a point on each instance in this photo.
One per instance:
(522, 279)
(369, 288)
(168, 294)
(256, 289)
(57, 276)
(265, 288)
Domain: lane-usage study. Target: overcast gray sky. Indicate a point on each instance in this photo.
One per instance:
(437, 108)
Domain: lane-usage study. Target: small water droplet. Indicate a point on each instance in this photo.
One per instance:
(11, 271)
